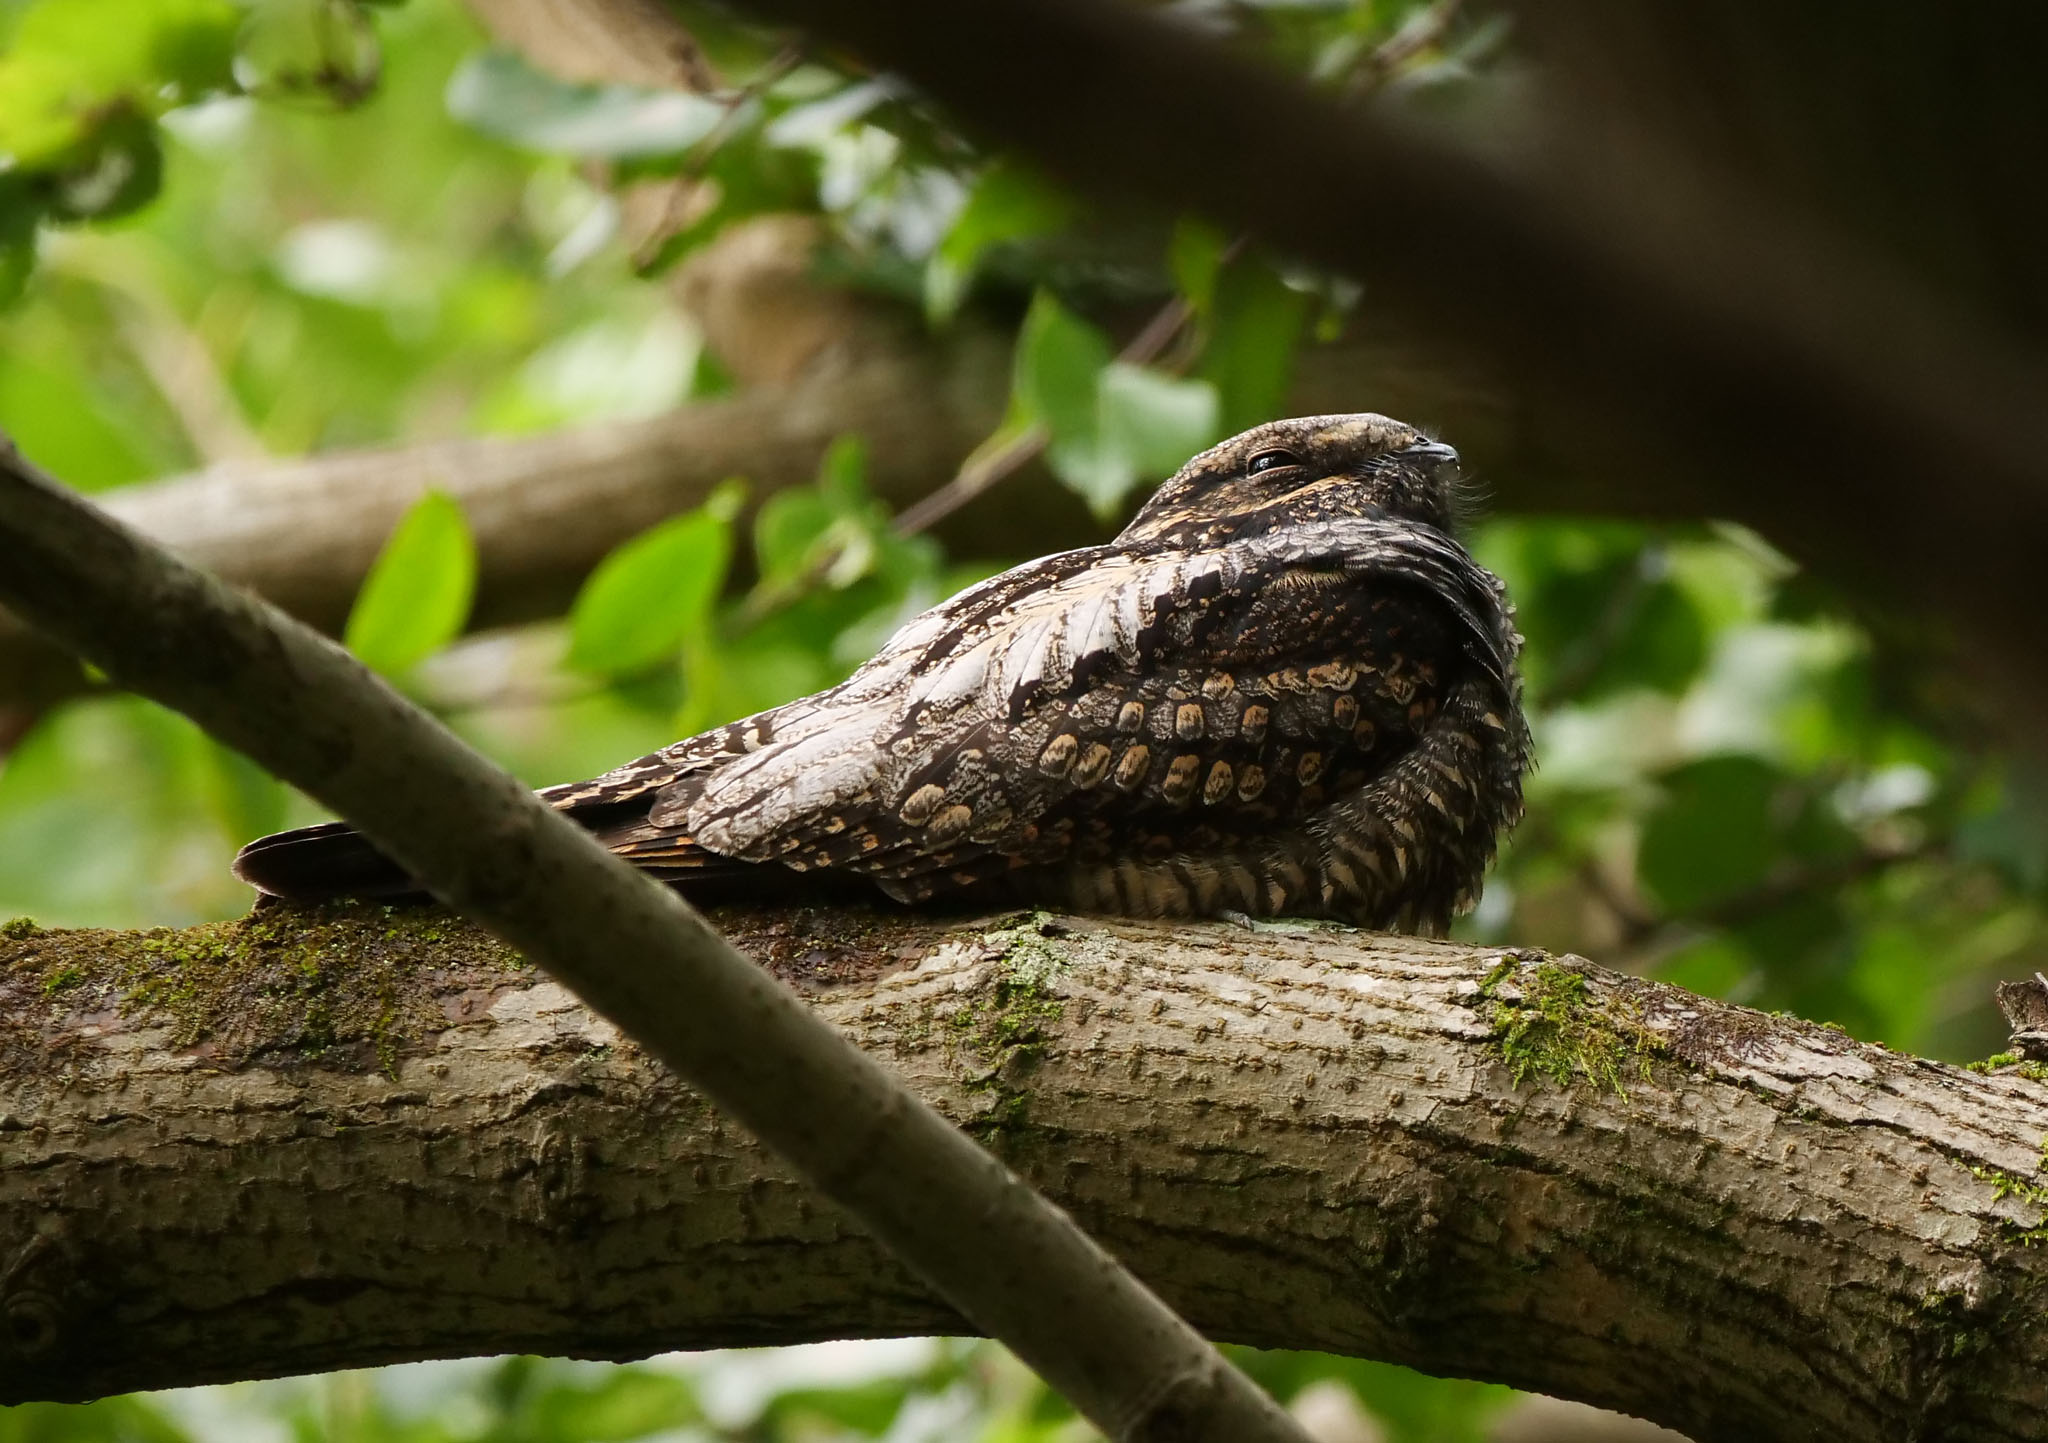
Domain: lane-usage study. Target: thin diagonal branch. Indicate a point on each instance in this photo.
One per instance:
(635, 951)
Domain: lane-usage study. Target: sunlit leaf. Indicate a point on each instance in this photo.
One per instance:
(1059, 360)
(417, 596)
(652, 593)
(502, 96)
(1153, 420)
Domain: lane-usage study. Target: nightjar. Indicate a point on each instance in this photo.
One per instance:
(1285, 690)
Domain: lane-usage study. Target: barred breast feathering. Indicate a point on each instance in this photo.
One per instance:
(1285, 690)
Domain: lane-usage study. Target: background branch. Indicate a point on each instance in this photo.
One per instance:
(1686, 326)
(316, 1139)
(546, 508)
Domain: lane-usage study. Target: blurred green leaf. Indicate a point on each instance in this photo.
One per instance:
(502, 96)
(1060, 359)
(1255, 325)
(1109, 424)
(1009, 202)
(1414, 1407)
(843, 473)
(76, 65)
(1195, 257)
(546, 1402)
(1714, 835)
(417, 596)
(865, 1409)
(123, 174)
(110, 1420)
(1155, 421)
(653, 592)
(299, 49)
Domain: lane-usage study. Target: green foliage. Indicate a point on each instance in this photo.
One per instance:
(417, 596)
(1009, 202)
(110, 1420)
(1412, 1407)
(81, 85)
(653, 592)
(923, 1391)
(1110, 424)
(1254, 322)
(301, 50)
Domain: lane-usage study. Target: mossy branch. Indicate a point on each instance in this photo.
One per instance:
(321, 1138)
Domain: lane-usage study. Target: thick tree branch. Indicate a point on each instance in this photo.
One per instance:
(635, 951)
(319, 1139)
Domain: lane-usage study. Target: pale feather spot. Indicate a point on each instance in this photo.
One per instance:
(950, 823)
(918, 807)
(1059, 754)
(1093, 765)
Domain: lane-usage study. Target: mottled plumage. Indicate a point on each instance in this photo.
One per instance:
(1284, 690)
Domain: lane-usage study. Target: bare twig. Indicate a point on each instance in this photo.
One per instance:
(679, 189)
(1422, 31)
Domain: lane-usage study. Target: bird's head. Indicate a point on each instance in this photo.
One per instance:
(1306, 469)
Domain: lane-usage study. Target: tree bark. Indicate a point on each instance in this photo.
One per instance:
(311, 1140)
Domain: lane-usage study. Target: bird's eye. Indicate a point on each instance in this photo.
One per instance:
(1270, 460)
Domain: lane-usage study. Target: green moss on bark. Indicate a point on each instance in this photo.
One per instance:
(336, 986)
(1549, 1023)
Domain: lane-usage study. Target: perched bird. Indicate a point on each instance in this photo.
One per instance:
(1285, 690)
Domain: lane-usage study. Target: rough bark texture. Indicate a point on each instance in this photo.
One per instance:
(318, 1139)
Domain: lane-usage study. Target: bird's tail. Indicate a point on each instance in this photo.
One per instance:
(333, 860)
(318, 864)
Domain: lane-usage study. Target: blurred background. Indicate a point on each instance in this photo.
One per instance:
(236, 234)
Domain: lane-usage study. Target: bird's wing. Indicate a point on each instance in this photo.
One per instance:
(1031, 713)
